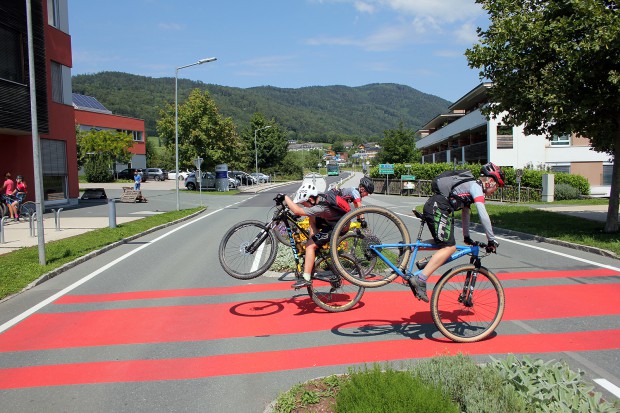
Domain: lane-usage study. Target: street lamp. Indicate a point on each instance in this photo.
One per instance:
(256, 148)
(176, 118)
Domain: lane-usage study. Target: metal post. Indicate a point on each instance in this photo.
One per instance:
(2, 230)
(112, 212)
(57, 218)
(36, 145)
(33, 222)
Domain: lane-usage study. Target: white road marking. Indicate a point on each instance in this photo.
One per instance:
(92, 275)
(610, 387)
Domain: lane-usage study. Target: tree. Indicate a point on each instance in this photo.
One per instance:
(271, 142)
(203, 132)
(98, 150)
(555, 68)
(398, 146)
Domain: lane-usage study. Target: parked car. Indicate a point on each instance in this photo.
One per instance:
(181, 176)
(244, 178)
(260, 177)
(128, 173)
(157, 174)
(207, 182)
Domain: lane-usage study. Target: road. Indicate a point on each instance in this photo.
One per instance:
(157, 325)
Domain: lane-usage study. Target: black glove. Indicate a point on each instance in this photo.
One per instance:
(363, 223)
(468, 241)
(279, 199)
(492, 246)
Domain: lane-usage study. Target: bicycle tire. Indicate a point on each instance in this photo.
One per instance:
(353, 244)
(383, 227)
(27, 209)
(458, 321)
(241, 264)
(330, 291)
(4, 211)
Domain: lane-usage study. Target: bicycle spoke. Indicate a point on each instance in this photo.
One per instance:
(330, 291)
(235, 258)
(467, 317)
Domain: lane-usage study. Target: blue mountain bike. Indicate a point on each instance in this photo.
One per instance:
(468, 300)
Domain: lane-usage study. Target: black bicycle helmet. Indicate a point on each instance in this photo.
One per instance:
(368, 185)
(493, 171)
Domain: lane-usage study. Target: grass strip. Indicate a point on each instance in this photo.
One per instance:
(21, 267)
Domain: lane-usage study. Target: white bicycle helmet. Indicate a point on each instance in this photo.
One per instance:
(304, 192)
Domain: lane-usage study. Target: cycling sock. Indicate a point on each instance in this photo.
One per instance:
(420, 275)
(306, 276)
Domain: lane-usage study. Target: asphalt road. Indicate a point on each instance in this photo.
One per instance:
(157, 325)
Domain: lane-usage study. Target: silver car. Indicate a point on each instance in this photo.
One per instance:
(207, 181)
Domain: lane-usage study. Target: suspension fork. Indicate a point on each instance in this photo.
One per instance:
(467, 295)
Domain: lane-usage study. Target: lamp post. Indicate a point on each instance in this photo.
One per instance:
(176, 118)
(256, 149)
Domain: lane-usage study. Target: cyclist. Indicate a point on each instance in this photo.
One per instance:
(19, 194)
(322, 218)
(438, 213)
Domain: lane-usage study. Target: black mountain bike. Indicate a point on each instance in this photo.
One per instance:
(249, 249)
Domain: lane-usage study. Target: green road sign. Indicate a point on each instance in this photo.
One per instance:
(386, 168)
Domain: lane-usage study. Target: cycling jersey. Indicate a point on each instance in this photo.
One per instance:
(471, 193)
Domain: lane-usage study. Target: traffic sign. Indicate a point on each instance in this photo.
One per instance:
(386, 168)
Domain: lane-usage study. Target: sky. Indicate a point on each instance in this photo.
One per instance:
(282, 43)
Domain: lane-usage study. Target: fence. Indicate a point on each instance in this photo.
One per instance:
(423, 188)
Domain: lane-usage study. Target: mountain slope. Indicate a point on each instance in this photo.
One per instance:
(319, 113)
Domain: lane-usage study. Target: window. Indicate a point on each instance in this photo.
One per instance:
(54, 165)
(607, 170)
(61, 84)
(504, 137)
(53, 13)
(12, 52)
(562, 140)
(137, 136)
(561, 168)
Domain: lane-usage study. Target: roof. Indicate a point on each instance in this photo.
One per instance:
(89, 103)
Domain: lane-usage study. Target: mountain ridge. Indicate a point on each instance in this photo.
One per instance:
(317, 113)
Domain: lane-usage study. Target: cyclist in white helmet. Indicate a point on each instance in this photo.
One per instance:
(322, 218)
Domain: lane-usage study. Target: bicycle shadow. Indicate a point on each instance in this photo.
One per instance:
(415, 328)
(264, 308)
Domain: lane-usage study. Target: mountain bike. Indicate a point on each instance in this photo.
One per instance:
(468, 300)
(355, 242)
(249, 249)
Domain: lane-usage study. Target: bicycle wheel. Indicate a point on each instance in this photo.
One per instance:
(27, 209)
(329, 290)
(464, 311)
(4, 210)
(235, 258)
(383, 228)
(356, 245)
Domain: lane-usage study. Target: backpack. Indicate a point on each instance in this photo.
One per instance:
(444, 183)
(336, 201)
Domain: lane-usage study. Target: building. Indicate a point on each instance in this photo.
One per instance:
(465, 135)
(91, 114)
(55, 118)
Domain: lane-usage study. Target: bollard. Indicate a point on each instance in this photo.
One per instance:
(112, 212)
(33, 220)
(57, 218)
(2, 229)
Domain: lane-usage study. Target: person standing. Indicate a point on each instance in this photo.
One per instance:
(19, 195)
(7, 191)
(137, 179)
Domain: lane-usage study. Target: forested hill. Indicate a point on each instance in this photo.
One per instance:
(318, 113)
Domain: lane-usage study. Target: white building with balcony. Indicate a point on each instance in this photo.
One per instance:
(464, 135)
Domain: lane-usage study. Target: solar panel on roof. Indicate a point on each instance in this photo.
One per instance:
(88, 102)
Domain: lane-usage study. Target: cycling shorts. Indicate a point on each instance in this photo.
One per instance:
(438, 214)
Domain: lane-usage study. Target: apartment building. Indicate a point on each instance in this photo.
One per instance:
(465, 135)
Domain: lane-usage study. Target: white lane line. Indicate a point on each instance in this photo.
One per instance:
(610, 387)
(561, 254)
(92, 275)
(257, 257)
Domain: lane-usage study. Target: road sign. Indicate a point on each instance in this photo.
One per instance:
(386, 169)
(407, 177)
(198, 162)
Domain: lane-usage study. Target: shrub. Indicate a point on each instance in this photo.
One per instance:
(97, 169)
(551, 386)
(390, 391)
(284, 259)
(565, 191)
(474, 388)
